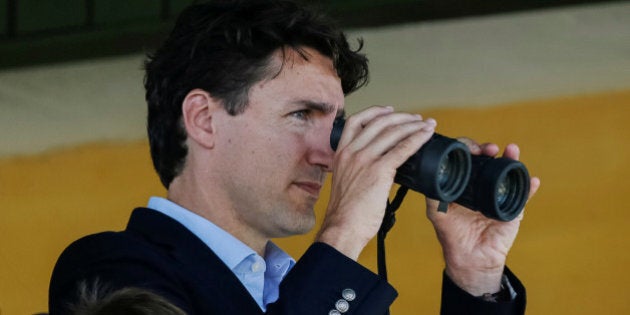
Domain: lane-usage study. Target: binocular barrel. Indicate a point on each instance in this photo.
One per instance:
(440, 170)
(444, 169)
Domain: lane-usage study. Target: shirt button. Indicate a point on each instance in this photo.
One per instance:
(342, 306)
(348, 295)
(258, 266)
(334, 312)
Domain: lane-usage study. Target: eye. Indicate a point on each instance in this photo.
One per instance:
(302, 114)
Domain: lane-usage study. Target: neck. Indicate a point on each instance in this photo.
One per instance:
(195, 194)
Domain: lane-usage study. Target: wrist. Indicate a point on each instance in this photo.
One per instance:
(344, 242)
(505, 294)
(476, 282)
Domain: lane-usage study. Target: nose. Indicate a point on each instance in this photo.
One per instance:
(320, 152)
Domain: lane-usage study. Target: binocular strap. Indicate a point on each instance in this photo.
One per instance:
(388, 222)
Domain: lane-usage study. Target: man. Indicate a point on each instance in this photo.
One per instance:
(242, 97)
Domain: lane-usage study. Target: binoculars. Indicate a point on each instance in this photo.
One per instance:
(444, 169)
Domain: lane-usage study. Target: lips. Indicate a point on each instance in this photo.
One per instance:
(312, 188)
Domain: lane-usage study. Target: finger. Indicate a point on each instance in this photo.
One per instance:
(355, 123)
(472, 145)
(386, 125)
(389, 144)
(534, 184)
(383, 132)
(512, 151)
(489, 149)
(406, 144)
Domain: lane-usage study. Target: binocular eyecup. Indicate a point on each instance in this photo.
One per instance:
(443, 169)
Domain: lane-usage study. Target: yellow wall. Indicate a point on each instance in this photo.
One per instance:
(572, 252)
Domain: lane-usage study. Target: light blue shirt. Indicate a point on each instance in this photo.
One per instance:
(261, 276)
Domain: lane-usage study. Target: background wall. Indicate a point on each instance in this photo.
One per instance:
(74, 159)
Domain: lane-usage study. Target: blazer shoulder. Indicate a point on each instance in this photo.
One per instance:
(103, 244)
(143, 238)
(115, 260)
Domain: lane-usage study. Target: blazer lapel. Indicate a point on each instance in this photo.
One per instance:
(213, 284)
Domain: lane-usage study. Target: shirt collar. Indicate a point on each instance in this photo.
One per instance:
(237, 256)
(278, 261)
(227, 247)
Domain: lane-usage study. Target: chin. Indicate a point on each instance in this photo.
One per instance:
(301, 223)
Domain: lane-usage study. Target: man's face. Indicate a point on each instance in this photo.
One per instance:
(274, 156)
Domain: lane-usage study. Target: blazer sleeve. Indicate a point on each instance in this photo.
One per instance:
(324, 280)
(457, 301)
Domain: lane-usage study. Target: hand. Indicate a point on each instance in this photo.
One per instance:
(374, 143)
(475, 247)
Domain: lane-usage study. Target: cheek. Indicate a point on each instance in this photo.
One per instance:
(283, 151)
(268, 148)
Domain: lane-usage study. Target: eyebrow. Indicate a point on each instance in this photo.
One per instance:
(322, 107)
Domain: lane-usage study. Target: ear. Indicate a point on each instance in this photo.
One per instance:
(198, 109)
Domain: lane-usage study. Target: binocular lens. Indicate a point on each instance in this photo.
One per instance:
(445, 170)
(512, 191)
(439, 170)
(452, 170)
(498, 187)
(503, 190)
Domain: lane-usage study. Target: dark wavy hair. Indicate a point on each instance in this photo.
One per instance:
(224, 48)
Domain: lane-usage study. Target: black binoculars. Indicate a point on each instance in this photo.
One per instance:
(444, 169)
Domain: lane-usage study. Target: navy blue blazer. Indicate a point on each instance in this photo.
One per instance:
(158, 253)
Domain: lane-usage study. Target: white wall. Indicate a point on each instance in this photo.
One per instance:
(463, 62)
